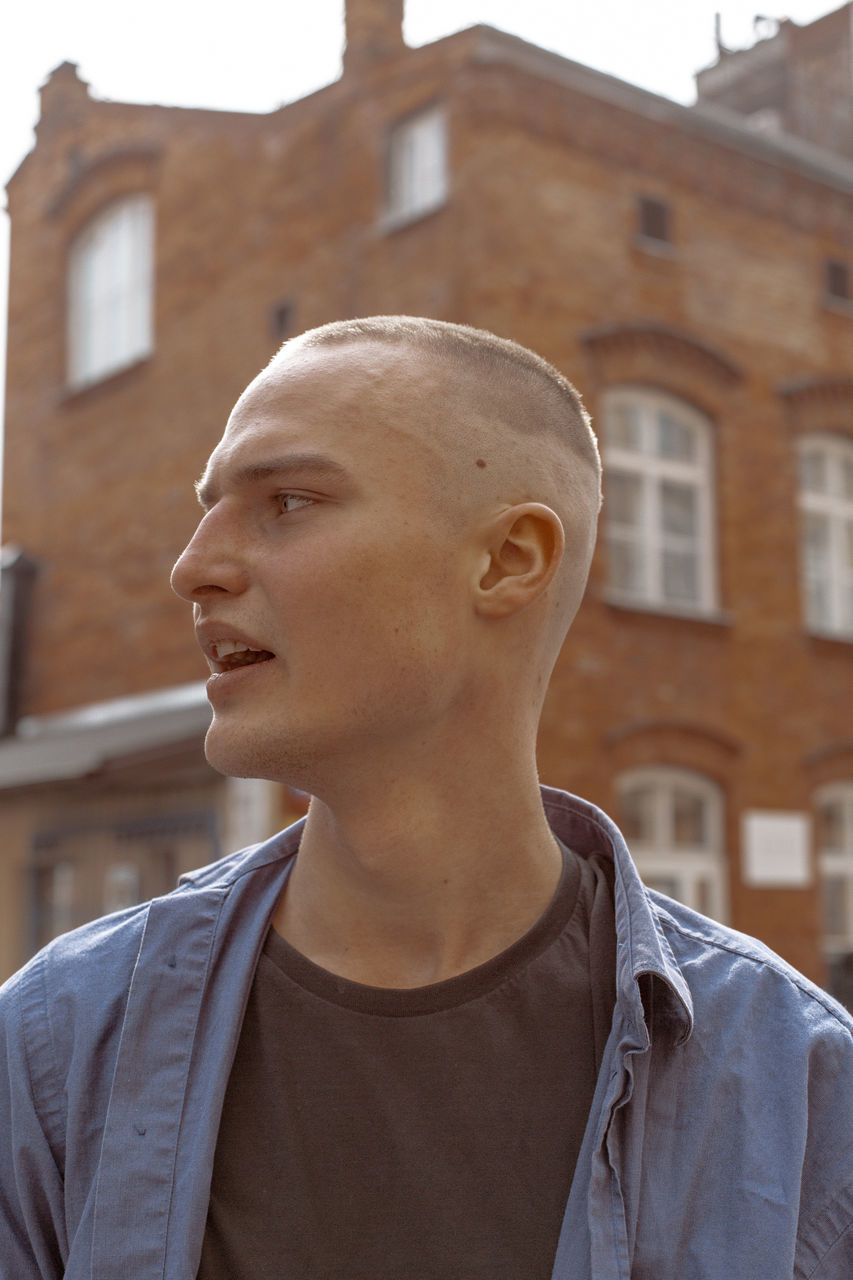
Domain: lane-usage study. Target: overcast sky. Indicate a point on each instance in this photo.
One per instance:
(257, 54)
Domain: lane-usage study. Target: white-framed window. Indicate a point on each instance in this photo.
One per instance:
(658, 501)
(110, 290)
(826, 511)
(672, 820)
(834, 810)
(417, 165)
(82, 871)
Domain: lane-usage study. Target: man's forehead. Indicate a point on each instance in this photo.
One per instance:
(357, 393)
(341, 408)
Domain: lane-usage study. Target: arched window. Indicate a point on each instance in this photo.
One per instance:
(672, 820)
(658, 508)
(110, 287)
(826, 506)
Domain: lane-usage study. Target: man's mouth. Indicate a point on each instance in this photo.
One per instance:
(227, 655)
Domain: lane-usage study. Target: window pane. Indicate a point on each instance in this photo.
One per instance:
(638, 814)
(816, 540)
(816, 568)
(680, 577)
(623, 427)
(417, 168)
(675, 438)
(847, 478)
(818, 609)
(122, 886)
(846, 592)
(835, 891)
(813, 471)
(110, 291)
(56, 900)
(830, 826)
(704, 900)
(689, 818)
(847, 607)
(624, 497)
(837, 279)
(626, 567)
(655, 219)
(663, 498)
(678, 508)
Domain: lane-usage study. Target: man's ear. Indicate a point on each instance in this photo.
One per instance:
(524, 548)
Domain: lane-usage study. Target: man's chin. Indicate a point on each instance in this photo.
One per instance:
(243, 754)
(228, 754)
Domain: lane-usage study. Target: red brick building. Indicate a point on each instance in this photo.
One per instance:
(688, 268)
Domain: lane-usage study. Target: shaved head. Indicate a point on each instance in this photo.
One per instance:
(506, 426)
(539, 398)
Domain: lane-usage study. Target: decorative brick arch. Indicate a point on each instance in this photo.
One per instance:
(122, 171)
(670, 359)
(830, 763)
(819, 404)
(679, 743)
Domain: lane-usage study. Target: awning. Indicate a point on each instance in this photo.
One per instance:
(73, 744)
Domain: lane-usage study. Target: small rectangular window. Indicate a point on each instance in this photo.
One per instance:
(417, 165)
(654, 220)
(837, 278)
(281, 320)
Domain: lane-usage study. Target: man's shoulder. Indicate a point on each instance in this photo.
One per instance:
(728, 970)
(82, 961)
(85, 966)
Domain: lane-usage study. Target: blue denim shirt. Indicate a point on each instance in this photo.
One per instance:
(719, 1144)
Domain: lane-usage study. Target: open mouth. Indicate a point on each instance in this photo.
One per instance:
(228, 655)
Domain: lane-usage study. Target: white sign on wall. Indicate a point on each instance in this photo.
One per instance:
(775, 849)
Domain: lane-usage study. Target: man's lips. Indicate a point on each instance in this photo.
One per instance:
(229, 650)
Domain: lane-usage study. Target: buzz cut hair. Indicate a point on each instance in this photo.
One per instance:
(555, 405)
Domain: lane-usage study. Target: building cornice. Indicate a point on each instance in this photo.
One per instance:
(715, 123)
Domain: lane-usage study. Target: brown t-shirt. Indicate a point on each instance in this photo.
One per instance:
(422, 1134)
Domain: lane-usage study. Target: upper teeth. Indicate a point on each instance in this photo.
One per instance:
(222, 648)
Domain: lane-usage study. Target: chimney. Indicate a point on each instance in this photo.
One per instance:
(374, 30)
(64, 97)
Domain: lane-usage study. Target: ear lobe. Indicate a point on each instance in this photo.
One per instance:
(525, 547)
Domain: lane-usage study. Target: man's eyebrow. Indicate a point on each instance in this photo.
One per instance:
(317, 464)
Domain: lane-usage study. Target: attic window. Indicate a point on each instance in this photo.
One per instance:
(417, 165)
(837, 281)
(654, 221)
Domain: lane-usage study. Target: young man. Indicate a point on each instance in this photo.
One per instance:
(439, 1029)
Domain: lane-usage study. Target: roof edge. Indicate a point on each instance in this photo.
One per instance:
(714, 122)
(76, 743)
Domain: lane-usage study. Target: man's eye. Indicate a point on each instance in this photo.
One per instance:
(293, 501)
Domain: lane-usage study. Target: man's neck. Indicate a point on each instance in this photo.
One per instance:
(416, 886)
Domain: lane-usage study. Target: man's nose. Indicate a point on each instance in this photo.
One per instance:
(210, 564)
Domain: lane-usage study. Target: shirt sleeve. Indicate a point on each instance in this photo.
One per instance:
(832, 1241)
(31, 1177)
(825, 1246)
